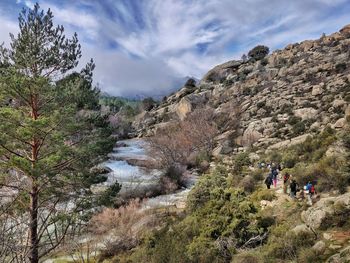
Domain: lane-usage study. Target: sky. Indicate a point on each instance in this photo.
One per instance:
(146, 47)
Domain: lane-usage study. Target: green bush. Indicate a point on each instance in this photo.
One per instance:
(289, 159)
(325, 172)
(258, 52)
(261, 104)
(340, 218)
(258, 174)
(266, 222)
(340, 67)
(241, 160)
(292, 120)
(263, 194)
(246, 258)
(201, 192)
(307, 255)
(284, 244)
(248, 184)
(299, 128)
(220, 220)
(264, 62)
(275, 156)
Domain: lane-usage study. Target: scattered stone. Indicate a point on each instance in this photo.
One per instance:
(317, 90)
(319, 247)
(327, 236)
(299, 229)
(335, 247)
(305, 113)
(339, 123)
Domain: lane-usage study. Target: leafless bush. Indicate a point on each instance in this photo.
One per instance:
(121, 229)
(175, 143)
(120, 221)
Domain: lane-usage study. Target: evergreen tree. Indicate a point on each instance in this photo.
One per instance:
(50, 135)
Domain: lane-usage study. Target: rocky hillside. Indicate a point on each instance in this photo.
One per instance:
(278, 100)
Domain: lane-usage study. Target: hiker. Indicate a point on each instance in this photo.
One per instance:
(293, 188)
(310, 189)
(268, 181)
(279, 167)
(274, 173)
(285, 182)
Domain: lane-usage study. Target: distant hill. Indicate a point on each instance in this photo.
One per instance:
(159, 94)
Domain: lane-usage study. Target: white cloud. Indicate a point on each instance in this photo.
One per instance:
(163, 39)
(71, 16)
(7, 26)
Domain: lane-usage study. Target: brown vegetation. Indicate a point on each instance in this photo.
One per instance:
(175, 143)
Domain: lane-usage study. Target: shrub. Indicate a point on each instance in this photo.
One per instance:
(263, 194)
(200, 194)
(289, 159)
(258, 52)
(258, 174)
(299, 128)
(261, 104)
(292, 120)
(325, 173)
(340, 218)
(285, 244)
(176, 142)
(242, 159)
(275, 156)
(228, 82)
(264, 62)
(340, 67)
(148, 103)
(248, 184)
(266, 222)
(172, 178)
(190, 83)
(307, 255)
(246, 258)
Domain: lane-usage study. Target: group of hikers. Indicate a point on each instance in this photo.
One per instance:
(290, 185)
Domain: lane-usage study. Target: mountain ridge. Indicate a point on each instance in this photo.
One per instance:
(283, 97)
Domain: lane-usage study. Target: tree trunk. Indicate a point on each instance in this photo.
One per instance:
(33, 225)
(34, 194)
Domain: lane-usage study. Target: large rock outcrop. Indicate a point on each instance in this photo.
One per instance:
(316, 217)
(297, 90)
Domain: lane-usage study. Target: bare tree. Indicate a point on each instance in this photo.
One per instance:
(176, 142)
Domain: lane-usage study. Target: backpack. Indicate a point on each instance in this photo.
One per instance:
(312, 190)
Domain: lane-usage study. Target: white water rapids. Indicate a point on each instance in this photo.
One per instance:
(125, 162)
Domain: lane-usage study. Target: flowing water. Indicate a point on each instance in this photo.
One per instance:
(131, 165)
(130, 176)
(128, 164)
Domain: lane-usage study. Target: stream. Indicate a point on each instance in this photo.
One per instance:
(133, 167)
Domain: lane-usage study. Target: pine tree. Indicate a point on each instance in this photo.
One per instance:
(50, 134)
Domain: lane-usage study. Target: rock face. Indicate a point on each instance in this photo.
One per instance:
(317, 215)
(291, 92)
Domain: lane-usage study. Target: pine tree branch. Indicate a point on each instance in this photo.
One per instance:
(14, 153)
